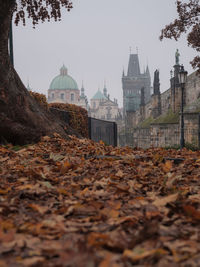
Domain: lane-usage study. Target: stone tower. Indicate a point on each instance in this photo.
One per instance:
(132, 84)
(156, 98)
(175, 86)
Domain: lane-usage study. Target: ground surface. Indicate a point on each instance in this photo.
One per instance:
(77, 203)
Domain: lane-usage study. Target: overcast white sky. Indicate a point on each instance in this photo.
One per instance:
(93, 42)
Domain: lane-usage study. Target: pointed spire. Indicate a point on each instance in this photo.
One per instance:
(133, 66)
(123, 74)
(147, 71)
(104, 83)
(156, 83)
(105, 89)
(28, 86)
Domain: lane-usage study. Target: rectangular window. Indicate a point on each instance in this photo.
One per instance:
(62, 96)
(72, 97)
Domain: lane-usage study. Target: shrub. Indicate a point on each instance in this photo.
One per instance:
(78, 117)
(40, 98)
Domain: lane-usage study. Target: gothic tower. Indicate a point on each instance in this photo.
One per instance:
(156, 97)
(132, 84)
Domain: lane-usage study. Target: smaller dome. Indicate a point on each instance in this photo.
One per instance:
(99, 96)
(63, 70)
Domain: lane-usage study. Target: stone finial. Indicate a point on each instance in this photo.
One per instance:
(177, 57)
(156, 83)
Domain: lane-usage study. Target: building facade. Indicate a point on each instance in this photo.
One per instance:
(64, 89)
(102, 107)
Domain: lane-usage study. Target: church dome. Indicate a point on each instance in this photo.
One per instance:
(63, 81)
(99, 96)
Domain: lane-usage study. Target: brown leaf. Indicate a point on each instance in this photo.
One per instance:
(192, 212)
(139, 255)
(38, 208)
(167, 166)
(161, 202)
(32, 261)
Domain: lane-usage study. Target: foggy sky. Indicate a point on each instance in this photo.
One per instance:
(93, 42)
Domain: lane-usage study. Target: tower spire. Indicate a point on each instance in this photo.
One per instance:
(147, 71)
(105, 89)
(82, 90)
(133, 66)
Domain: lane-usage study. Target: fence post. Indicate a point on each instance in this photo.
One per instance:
(199, 130)
(115, 134)
(90, 127)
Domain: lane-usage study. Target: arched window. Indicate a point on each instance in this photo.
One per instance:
(94, 105)
(52, 95)
(62, 96)
(72, 97)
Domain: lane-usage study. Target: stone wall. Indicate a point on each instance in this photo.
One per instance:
(157, 135)
(192, 88)
(167, 134)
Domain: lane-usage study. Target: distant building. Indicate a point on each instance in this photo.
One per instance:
(64, 89)
(132, 84)
(102, 107)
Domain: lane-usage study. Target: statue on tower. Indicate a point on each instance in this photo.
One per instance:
(177, 56)
(156, 83)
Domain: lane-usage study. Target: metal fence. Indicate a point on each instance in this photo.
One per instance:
(103, 130)
(97, 129)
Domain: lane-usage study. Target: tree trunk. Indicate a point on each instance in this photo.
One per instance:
(22, 119)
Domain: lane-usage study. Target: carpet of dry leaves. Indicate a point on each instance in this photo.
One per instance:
(83, 204)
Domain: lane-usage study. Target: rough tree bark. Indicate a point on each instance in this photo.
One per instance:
(22, 119)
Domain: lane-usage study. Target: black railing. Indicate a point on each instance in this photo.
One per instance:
(97, 129)
(103, 130)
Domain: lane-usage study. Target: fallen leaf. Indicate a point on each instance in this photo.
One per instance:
(161, 202)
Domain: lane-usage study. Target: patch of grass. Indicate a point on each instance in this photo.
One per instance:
(146, 123)
(189, 146)
(169, 117)
(17, 147)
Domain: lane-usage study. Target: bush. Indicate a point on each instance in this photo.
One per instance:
(188, 146)
(78, 117)
(40, 98)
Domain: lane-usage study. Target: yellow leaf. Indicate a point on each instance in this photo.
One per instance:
(4, 191)
(65, 167)
(167, 166)
(63, 191)
(84, 192)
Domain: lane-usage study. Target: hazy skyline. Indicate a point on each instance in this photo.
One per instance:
(93, 41)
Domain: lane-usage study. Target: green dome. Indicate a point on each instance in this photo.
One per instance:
(99, 95)
(63, 81)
